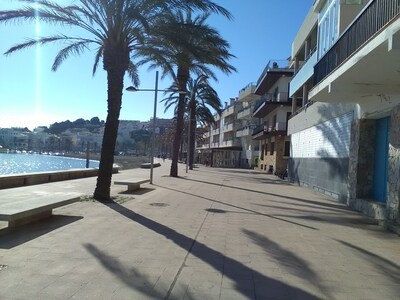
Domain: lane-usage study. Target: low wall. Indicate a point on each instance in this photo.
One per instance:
(18, 180)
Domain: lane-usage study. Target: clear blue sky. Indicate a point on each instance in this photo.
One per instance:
(32, 95)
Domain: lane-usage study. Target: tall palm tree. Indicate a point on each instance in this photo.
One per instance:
(203, 100)
(181, 44)
(201, 103)
(115, 28)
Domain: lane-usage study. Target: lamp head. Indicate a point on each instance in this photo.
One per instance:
(131, 89)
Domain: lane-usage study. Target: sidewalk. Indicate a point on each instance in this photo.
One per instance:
(210, 234)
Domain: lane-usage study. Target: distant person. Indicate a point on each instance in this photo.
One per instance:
(163, 157)
(206, 162)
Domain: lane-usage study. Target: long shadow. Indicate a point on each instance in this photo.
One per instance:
(130, 276)
(254, 179)
(361, 221)
(275, 195)
(298, 209)
(211, 257)
(239, 207)
(288, 260)
(388, 268)
(12, 237)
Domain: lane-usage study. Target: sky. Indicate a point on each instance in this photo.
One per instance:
(32, 95)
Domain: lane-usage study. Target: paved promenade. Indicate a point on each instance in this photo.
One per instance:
(211, 234)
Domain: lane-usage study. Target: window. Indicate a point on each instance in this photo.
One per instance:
(287, 149)
(272, 150)
(328, 28)
(262, 151)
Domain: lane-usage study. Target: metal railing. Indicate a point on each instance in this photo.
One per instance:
(278, 126)
(272, 97)
(374, 17)
(304, 108)
(273, 65)
(247, 86)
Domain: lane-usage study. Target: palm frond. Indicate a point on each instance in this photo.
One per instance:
(75, 48)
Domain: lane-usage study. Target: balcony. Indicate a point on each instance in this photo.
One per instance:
(245, 113)
(304, 73)
(230, 143)
(215, 145)
(203, 146)
(227, 127)
(269, 102)
(215, 131)
(245, 131)
(274, 70)
(360, 65)
(247, 94)
(229, 110)
(264, 131)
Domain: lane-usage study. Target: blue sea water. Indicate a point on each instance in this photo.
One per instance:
(30, 163)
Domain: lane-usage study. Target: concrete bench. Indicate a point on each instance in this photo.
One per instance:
(132, 183)
(29, 208)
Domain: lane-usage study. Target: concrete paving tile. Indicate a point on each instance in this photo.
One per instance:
(61, 289)
(233, 294)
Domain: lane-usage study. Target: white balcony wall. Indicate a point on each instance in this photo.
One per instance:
(303, 75)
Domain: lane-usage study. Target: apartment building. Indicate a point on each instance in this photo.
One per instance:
(220, 147)
(246, 123)
(273, 109)
(346, 133)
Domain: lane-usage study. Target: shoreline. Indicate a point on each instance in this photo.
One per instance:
(124, 162)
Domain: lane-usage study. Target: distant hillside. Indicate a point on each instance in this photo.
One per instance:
(91, 125)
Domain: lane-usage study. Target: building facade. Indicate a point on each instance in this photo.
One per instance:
(345, 136)
(273, 110)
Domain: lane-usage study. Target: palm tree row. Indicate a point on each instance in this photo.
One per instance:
(125, 34)
(201, 103)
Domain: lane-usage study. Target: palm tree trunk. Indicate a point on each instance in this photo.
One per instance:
(192, 124)
(115, 81)
(183, 77)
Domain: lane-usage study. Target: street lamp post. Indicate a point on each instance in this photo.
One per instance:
(153, 134)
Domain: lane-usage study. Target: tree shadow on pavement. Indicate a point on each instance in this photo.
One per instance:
(360, 221)
(129, 275)
(241, 208)
(324, 204)
(209, 256)
(288, 260)
(385, 267)
(260, 179)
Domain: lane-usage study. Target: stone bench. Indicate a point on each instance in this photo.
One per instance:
(25, 209)
(132, 183)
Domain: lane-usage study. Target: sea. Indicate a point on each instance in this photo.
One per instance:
(23, 163)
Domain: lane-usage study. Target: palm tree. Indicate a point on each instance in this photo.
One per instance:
(115, 28)
(181, 45)
(203, 101)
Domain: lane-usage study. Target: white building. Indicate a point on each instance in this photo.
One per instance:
(345, 137)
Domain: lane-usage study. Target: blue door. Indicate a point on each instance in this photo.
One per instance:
(381, 159)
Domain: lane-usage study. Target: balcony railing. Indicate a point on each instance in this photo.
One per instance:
(278, 126)
(249, 88)
(273, 65)
(245, 131)
(272, 97)
(245, 112)
(374, 17)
